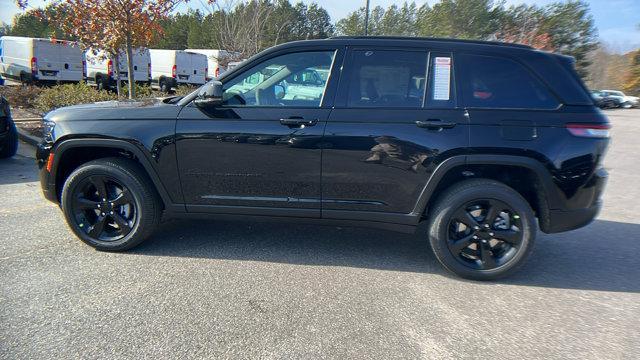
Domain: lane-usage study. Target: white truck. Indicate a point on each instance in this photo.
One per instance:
(215, 58)
(40, 60)
(99, 68)
(170, 68)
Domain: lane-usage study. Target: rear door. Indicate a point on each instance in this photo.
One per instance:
(396, 118)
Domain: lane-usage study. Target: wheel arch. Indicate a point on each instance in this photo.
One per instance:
(509, 169)
(64, 161)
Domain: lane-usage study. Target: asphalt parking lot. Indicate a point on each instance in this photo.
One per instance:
(242, 290)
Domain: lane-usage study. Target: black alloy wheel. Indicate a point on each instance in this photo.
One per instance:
(481, 229)
(104, 208)
(484, 234)
(111, 204)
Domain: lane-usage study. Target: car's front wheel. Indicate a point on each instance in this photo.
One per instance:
(481, 229)
(111, 204)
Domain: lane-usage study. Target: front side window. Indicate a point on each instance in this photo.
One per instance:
(386, 78)
(291, 80)
(494, 82)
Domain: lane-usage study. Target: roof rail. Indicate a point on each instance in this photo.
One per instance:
(464, 41)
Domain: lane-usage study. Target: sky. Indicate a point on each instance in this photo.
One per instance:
(616, 20)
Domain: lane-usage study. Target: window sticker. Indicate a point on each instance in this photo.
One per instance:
(442, 78)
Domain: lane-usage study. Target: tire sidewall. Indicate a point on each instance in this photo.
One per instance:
(69, 189)
(439, 227)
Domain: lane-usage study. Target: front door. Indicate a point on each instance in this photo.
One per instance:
(259, 152)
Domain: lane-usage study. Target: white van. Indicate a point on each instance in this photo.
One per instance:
(40, 60)
(99, 69)
(214, 60)
(170, 68)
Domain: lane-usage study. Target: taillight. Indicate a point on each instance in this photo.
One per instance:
(206, 73)
(217, 71)
(149, 67)
(84, 68)
(110, 68)
(34, 66)
(174, 71)
(589, 130)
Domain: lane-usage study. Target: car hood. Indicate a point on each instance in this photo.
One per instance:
(116, 110)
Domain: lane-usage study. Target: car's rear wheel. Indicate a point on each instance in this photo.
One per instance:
(111, 204)
(481, 229)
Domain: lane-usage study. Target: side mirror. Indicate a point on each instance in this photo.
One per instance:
(209, 95)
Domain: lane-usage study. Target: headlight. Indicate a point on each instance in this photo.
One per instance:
(47, 130)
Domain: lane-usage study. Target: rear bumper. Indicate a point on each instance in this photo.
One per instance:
(565, 220)
(560, 220)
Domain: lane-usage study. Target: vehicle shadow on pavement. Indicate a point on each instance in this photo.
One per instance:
(18, 169)
(602, 256)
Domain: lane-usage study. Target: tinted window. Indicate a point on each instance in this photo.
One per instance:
(382, 78)
(297, 79)
(492, 82)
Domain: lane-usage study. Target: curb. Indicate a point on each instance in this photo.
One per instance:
(28, 138)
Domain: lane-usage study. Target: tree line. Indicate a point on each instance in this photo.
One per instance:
(246, 27)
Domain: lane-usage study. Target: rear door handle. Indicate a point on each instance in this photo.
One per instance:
(435, 124)
(298, 122)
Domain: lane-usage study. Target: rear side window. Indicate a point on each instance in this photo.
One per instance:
(383, 78)
(494, 82)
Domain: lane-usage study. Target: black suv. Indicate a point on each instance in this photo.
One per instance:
(8, 132)
(484, 141)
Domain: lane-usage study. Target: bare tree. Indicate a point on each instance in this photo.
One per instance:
(242, 24)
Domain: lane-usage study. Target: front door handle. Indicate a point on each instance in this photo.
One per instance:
(298, 122)
(435, 124)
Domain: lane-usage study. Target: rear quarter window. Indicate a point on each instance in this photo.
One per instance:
(497, 82)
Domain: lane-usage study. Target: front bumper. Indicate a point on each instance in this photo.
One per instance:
(47, 181)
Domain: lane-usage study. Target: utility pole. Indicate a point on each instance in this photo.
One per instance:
(366, 19)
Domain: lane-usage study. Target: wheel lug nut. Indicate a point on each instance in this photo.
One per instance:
(491, 234)
(103, 214)
(475, 237)
(484, 241)
(111, 212)
(476, 228)
(98, 206)
(486, 225)
(103, 199)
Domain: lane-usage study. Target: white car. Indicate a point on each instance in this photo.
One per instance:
(214, 60)
(622, 99)
(170, 68)
(40, 60)
(99, 68)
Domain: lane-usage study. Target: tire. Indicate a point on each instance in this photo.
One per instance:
(129, 216)
(164, 86)
(10, 147)
(485, 249)
(100, 84)
(626, 105)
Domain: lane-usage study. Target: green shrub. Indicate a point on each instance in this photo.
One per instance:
(141, 91)
(183, 90)
(70, 94)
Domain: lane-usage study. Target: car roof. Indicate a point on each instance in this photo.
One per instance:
(453, 44)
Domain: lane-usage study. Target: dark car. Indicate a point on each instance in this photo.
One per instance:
(484, 141)
(604, 101)
(8, 133)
